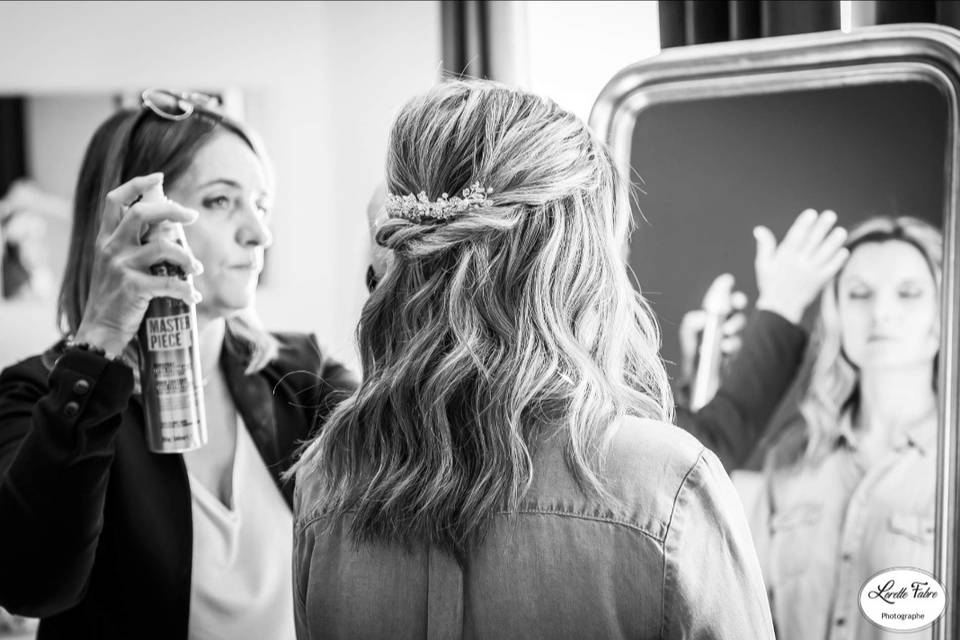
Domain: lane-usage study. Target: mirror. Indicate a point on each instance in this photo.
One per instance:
(720, 138)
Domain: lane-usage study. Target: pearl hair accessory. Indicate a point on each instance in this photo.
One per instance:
(418, 208)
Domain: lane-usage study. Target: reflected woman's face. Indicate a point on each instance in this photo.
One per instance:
(227, 185)
(889, 309)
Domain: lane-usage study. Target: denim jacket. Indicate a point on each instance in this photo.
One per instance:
(674, 559)
(822, 530)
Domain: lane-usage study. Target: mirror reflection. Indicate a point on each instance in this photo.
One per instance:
(825, 399)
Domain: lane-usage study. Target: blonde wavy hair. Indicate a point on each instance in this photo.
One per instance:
(490, 330)
(830, 379)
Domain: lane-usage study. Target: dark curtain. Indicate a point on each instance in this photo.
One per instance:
(701, 21)
(465, 35)
(13, 165)
(13, 157)
(937, 12)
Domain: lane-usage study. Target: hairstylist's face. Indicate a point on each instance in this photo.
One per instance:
(889, 311)
(228, 186)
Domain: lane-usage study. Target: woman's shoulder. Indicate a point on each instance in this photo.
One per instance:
(647, 466)
(652, 445)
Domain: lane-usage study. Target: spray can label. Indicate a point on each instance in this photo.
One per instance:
(173, 391)
(169, 333)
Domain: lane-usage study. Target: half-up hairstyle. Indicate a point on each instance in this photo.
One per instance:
(490, 330)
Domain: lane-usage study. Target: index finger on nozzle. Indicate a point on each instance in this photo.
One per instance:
(132, 189)
(168, 210)
(126, 195)
(722, 283)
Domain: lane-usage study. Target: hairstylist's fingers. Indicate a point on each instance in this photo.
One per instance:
(140, 215)
(150, 286)
(797, 233)
(730, 345)
(125, 195)
(766, 245)
(835, 264)
(734, 324)
(717, 297)
(819, 230)
(830, 245)
(739, 300)
(163, 250)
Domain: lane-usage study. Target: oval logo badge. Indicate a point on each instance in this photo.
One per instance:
(902, 599)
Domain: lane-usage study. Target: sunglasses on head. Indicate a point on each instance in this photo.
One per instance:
(174, 106)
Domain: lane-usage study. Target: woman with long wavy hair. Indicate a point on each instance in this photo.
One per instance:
(850, 488)
(506, 468)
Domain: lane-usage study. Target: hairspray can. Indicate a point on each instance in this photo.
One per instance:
(170, 375)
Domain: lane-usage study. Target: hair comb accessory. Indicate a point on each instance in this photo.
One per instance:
(420, 207)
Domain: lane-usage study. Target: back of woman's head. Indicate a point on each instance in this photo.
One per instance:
(493, 327)
(830, 379)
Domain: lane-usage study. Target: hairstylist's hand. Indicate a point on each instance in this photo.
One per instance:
(694, 321)
(791, 274)
(122, 286)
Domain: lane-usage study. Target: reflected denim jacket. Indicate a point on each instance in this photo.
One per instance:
(823, 530)
(674, 559)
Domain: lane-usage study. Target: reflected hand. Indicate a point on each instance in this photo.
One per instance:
(121, 285)
(720, 293)
(790, 275)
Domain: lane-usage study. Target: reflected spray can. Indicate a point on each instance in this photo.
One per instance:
(718, 305)
(706, 380)
(171, 379)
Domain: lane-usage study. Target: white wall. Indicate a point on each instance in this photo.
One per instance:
(609, 36)
(321, 83)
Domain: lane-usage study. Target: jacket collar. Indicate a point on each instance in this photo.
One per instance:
(252, 395)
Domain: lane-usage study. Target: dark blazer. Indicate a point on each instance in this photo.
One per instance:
(95, 530)
(737, 419)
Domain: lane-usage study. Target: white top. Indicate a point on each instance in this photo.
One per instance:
(242, 580)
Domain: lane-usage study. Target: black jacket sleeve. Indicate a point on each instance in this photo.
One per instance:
(758, 378)
(57, 437)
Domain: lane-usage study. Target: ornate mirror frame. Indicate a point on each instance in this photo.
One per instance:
(883, 54)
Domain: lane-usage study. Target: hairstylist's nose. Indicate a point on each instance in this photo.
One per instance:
(253, 230)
